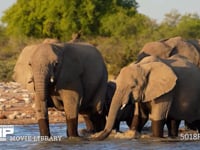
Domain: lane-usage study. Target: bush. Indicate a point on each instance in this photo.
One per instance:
(6, 70)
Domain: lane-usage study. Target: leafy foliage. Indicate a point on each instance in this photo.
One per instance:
(60, 18)
(189, 26)
(6, 70)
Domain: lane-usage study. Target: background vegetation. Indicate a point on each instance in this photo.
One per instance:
(114, 26)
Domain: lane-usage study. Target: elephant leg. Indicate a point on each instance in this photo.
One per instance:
(88, 123)
(42, 116)
(138, 123)
(72, 125)
(157, 128)
(98, 121)
(128, 122)
(116, 125)
(173, 126)
(159, 112)
(44, 127)
(195, 125)
(140, 117)
(71, 102)
(94, 122)
(97, 116)
(136, 118)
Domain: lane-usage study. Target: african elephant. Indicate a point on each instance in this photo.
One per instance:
(73, 77)
(124, 114)
(164, 90)
(169, 47)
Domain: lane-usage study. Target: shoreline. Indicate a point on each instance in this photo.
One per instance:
(17, 107)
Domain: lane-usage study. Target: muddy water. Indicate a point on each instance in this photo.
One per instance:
(111, 144)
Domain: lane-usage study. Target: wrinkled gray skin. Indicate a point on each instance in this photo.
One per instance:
(172, 46)
(166, 90)
(71, 77)
(123, 114)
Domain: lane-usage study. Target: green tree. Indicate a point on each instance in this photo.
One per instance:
(189, 26)
(172, 18)
(60, 18)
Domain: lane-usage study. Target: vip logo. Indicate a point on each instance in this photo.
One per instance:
(5, 130)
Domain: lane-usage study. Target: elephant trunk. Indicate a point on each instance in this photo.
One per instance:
(115, 105)
(41, 103)
(40, 86)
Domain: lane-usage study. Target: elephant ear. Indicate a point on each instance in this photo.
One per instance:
(161, 80)
(22, 70)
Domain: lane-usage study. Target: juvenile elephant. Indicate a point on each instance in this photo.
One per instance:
(166, 91)
(172, 46)
(123, 114)
(72, 77)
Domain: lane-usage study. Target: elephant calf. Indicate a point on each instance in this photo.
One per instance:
(124, 114)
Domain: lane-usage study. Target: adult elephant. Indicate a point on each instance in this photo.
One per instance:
(166, 91)
(172, 46)
(73, 77)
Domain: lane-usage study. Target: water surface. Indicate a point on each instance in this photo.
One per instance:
(111, 144)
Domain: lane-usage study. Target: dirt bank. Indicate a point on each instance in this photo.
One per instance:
(17, 107)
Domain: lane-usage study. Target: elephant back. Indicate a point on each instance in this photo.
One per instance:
(155, 49)
(184, 48)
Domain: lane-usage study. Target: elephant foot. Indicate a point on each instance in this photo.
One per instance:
(173, 126)
(44, 127)
(157, 128)
(72, 126)
(138, 123)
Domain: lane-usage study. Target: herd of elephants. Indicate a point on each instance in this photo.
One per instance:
(162, 85)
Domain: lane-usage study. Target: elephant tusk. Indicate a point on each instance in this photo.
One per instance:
(52, 80)
(124, 105)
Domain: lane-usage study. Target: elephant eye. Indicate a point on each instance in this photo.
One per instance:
(133, 86)
(136, 82)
